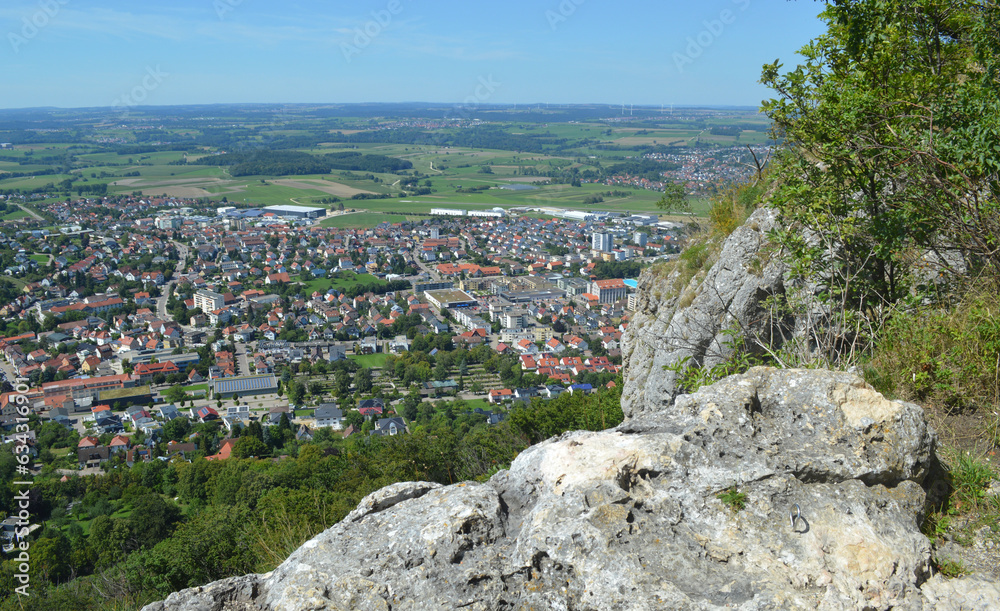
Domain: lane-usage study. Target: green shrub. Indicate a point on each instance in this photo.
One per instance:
(945, 356)
(732, 206)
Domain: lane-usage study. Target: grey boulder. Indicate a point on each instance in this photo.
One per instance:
(776, 489)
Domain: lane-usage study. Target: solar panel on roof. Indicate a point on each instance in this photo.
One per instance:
(244, 384)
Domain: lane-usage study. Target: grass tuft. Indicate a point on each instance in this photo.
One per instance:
(733, 498)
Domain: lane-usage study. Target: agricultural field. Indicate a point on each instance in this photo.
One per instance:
(13, 216)
(566, 153)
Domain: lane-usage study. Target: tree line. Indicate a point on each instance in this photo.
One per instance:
(295, 163)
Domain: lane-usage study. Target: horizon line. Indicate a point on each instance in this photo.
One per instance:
(527, 105)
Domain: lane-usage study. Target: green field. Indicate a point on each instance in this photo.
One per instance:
(481, 403)
(559, 150)
(372, 361)
(11, 216)
(347, 280)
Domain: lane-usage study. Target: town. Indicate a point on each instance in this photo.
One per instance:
(142, 317)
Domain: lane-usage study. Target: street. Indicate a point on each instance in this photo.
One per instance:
(242, 360)
(161, 301)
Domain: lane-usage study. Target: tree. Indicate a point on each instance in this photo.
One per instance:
(315, 389)
(353, 418)
(674, 201)
(441, 369)
(343, 383)
(175, 394)
(296, 392)
(254, 429)
(248, 446)
(411, 404)
(363, 380)
(891, 128)
(151, 520)
(177, 429)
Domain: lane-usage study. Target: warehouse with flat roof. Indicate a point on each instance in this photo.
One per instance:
(296, 212)
(226, 388)
(450, 298)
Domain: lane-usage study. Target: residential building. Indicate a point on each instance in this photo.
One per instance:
(602, 242)
(609, 291)
(209, 301)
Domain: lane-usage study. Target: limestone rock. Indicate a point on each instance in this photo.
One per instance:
(823, 509)
(666, 330)
(963, 594)
(234, 594)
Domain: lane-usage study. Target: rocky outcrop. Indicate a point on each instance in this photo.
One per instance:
(693, 323)
(777, 489)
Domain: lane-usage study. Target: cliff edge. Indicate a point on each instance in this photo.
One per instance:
(775, 489)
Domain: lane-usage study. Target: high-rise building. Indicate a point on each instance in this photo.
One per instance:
(602, 242)
(639, 238)
(435, 233)
(208, 301)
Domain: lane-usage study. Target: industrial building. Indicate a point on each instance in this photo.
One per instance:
(226, 388)
(537, 296)
(492, 213)
(296, 212)
(422, 287)
(450, 298)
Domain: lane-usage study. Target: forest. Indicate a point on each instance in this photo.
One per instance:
(133, 535)
(294, 163)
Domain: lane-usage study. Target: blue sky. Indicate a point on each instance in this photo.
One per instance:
(84, 53)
